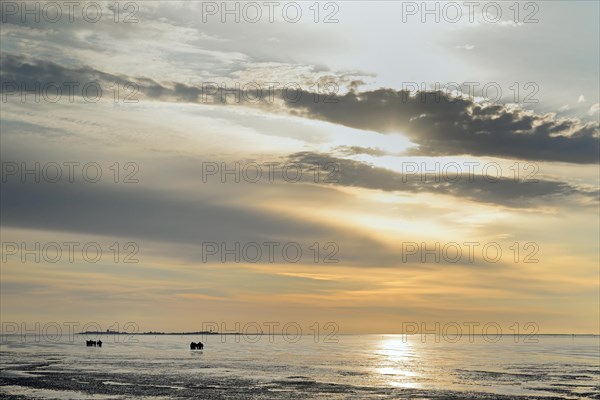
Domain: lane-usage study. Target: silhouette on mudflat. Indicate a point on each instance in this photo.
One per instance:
(196, 346)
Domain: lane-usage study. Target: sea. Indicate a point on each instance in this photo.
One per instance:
(306, 367)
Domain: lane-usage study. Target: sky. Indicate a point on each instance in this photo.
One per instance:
(416, 167)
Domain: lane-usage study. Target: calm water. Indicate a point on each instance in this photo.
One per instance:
(358, 367)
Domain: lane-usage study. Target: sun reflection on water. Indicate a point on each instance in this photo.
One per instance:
(398, 362)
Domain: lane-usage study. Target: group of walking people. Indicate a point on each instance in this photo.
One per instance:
(98, 343)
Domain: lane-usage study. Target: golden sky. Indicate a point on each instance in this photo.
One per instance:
(409, 208)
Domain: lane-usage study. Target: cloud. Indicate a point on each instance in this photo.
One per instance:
(355, 150)
(442, 126)
(141, 212)
(181, 221)
(439, 124)
(504, 191)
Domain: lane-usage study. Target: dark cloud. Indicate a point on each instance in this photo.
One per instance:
(481, 188)
(440, 125)
(176, 224)
(33, 76)
(355, 150)
(141, 212)
(443, 126)
(183, 221)
(20, 74)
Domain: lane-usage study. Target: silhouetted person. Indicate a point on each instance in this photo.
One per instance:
(192, 346)
(99, 343)
(200, 346)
